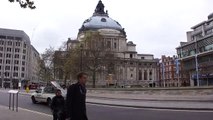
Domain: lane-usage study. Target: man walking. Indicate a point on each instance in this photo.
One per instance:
(76, 99)
(57, 106)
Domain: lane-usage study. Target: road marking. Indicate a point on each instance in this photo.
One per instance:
(24, 109)
(155, 109)
(36, 112)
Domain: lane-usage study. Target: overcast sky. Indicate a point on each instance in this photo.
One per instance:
(156, 26)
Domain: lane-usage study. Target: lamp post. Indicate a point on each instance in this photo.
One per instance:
(81, 64)
(177, 71)
(197, 72)
(2, 81)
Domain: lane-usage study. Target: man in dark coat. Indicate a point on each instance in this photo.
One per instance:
(76, 99)
(57, 106)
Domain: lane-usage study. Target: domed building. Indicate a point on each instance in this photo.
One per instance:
(128, 67)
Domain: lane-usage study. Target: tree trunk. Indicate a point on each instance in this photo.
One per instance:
(93, 79)
(65, 80)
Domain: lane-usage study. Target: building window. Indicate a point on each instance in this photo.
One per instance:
(7, 61)
(1, 42)
(22, 74)
(9, 43)
(15, 74)
(9, 49)
(150, 75)
(7, 74)
(16, 62)
(115, 45)
(130, 55)
(17, 50)
(131, 75)
(0, 60)
(16, 56)
(209, 47)
(142, 58)
(23, 57)
(0, 68)
(16, 68)
(7, 67)
(1, 54)
(23, 63)
(25, 45)
(10, 37)
(140, 75)
(18, 44)
(23, 69)
(2, 37)
(145, 74)
(208, 32)
(8, 55)
(24, 51)
(1, 48)
(108, 44)
(18, 38)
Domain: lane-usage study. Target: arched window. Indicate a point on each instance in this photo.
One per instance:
(145, 74)
(140, 75)
(150, 75)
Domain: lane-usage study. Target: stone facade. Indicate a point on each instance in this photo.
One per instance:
(130, 67)
(18, 58)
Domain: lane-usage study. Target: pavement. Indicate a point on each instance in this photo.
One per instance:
(162, 101)
(22, 114)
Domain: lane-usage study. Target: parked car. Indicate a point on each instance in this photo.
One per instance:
(45, 94)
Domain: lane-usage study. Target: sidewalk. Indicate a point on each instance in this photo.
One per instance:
(183, 102)
(182, 105)
(146, 97)
(22, 91)
(22, 114)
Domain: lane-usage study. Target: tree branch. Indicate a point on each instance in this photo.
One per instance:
(25, 4)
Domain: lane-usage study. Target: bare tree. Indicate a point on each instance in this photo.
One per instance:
(46, 64)
(25, 3)
(96, 53)
(90, 55)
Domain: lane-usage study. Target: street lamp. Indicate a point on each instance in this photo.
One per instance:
(197, 72)
(81, 64)
(2, 81)
(177, 70)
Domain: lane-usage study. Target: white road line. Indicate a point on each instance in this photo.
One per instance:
(155, 109)
(23, 109)
(36, 112)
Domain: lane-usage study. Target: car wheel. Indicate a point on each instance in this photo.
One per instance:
(48, 101)
(33, 100)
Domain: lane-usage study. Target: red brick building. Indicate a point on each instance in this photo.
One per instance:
(170, 73)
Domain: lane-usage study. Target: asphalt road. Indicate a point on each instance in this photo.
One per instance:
(98, 112)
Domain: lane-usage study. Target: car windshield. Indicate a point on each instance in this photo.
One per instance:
(39, 90)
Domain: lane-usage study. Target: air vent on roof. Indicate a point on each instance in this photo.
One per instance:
(103, 20)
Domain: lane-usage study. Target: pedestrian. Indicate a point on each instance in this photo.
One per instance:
(76, 99)
(57, 106)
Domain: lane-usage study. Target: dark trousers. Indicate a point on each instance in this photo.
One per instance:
(58, 116)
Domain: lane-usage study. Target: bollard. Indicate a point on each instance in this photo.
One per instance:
(13, 94)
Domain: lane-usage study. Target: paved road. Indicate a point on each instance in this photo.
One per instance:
(97, 112)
